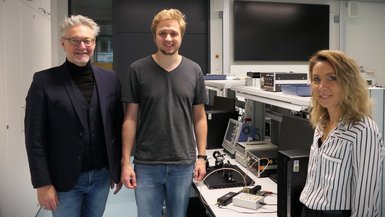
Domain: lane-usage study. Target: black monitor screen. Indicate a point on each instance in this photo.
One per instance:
(296, 133)
(231, 130)
(272, 31)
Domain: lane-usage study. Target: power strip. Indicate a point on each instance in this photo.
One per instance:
(246, 200)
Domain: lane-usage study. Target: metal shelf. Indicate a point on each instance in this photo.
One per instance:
(292, 102)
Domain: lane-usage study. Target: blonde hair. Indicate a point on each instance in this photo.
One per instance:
(355, 100)
(169, 14)
(76, 20)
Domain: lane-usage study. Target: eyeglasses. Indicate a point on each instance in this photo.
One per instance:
(76, 42)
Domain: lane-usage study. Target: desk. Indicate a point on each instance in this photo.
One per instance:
(221, 86)
(211, 195)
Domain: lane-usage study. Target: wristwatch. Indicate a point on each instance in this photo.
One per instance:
(204, 157)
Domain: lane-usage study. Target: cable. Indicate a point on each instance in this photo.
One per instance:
(216, 170)
(245, 187)
(226, 168)
(246, 212)
(268, 204)
(256, 161)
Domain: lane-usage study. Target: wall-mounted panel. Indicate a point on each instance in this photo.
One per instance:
(132, 30)
(136, 15)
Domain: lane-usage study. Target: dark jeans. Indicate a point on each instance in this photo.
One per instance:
(306, 212)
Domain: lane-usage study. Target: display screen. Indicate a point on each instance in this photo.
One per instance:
(271, 31)
(231, 130)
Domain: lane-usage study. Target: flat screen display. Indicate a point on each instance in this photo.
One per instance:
(272, 31)
(232, 130)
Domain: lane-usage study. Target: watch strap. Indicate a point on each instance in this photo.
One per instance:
(204, 157)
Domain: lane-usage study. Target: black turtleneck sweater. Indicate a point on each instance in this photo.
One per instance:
(83, 77)
(94, 153)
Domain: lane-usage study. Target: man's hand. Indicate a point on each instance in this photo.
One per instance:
(47, 197)
(128, 176)
(200, 169)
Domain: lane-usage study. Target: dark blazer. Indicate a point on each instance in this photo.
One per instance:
(53, 126)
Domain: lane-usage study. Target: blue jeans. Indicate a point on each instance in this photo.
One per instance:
(159, 183)
(87, 198)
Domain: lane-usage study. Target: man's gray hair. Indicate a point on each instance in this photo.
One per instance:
(76, 20)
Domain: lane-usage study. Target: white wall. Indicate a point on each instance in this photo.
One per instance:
(361, 37)
(365, 38)
(3, 127)
(216, 54)
(59, 10)
(25, 48)
(25, 42)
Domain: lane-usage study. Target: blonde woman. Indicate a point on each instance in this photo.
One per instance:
(345, 164)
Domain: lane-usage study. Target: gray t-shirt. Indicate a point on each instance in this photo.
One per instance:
(166, 129)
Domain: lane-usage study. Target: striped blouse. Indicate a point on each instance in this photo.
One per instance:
(345, 172)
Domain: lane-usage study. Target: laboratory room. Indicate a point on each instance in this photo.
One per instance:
(266, 105)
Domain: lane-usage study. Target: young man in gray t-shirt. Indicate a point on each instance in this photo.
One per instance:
(169, 93)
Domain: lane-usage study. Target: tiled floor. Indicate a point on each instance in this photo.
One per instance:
(121, 204)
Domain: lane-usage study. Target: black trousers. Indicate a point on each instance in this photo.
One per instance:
(306, 212)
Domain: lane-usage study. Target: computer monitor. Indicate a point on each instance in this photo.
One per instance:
(231, 135)
(236, 131)
(217, 121)
(295, 133)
